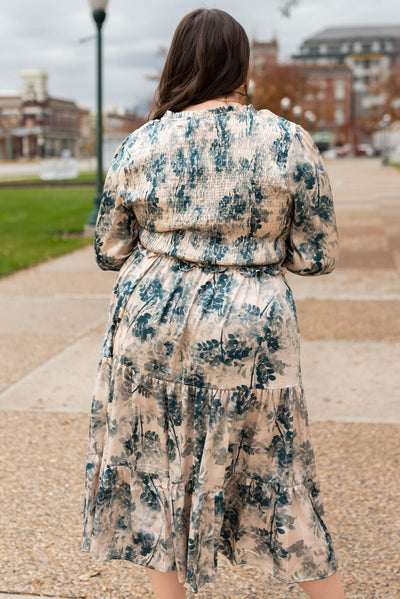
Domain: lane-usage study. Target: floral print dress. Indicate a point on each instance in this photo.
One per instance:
(199, 438)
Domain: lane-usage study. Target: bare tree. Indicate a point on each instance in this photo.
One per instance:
(286, 7)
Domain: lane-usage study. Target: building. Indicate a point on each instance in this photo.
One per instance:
(329, 99)
(323, 91)
(263, 54)
(118, 124)
(34, 124)
(368, 51)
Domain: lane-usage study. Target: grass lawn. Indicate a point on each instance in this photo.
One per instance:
(35, 224)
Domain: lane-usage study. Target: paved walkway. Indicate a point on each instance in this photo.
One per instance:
(52, 320)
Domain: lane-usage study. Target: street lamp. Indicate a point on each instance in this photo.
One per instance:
(285, 105)
(99, 16)
(297, 112)
(250, 89)
(310, 117)
(386, 120)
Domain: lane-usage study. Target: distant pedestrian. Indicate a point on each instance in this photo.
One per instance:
(199, 437)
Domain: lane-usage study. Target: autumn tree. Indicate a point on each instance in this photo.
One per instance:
(386, 92)
(276, 82)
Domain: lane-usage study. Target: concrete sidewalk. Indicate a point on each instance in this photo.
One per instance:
(52, 321)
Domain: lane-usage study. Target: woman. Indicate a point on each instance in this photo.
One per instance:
(199, 438)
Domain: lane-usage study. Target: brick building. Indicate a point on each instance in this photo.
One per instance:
(329, 98)
(34, 124)
(325, 94)
(263, 54)
(370, 52)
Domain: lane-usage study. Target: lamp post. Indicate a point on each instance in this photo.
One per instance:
(285, 105)
(99, 16)
(250, 89)
(297, 112)
(310, 118)
(386, 120)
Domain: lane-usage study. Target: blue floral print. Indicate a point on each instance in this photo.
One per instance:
(199, 440)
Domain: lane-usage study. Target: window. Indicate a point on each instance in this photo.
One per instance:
(367, 47)
(313, 50)
(340, 90)
(333, 49)
(339, 115)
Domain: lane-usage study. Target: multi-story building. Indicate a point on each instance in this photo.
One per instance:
(368, 51)
(34, 124)
(263, 54)
(329, 99)
(325, 92)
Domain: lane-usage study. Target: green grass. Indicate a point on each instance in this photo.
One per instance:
(35, 224)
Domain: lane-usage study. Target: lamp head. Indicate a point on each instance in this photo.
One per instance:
(98, 4)
(387, 118)
(251, 87)
(297, 110)
(285, 103)
(99, 11)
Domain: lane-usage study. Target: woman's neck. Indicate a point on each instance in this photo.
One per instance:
(233, 98)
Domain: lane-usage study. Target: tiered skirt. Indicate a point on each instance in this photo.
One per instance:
(199, 437)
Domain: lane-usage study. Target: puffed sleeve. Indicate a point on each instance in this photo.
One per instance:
(312, 244)
(117, 229)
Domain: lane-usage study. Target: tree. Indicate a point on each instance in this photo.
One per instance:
(286, 7)
(386, 92)
(279, 81)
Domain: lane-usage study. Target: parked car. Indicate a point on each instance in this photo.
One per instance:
(344, 150)
(363, 150)
(329, 154)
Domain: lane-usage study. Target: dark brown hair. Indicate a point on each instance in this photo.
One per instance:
(208, 58)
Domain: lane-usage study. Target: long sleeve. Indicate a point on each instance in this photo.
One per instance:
(117, 229)
(312, 244)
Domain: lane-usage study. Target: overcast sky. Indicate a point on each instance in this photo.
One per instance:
(46, 34)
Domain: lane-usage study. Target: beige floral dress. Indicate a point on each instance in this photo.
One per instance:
(199, 438)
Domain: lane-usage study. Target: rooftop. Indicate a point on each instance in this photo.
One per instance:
(360, 32)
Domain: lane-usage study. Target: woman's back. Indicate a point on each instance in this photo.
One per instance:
(199, 439)
(224, 186)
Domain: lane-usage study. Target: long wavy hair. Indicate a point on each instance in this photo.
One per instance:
(208, 58)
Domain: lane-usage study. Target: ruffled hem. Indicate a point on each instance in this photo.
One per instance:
(176, 474)
(264, 524)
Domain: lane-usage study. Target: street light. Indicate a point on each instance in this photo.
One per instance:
(250, 89)
(386, 120)
(297, 112)
(310, 117)
(285, 105)
(99, 16)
